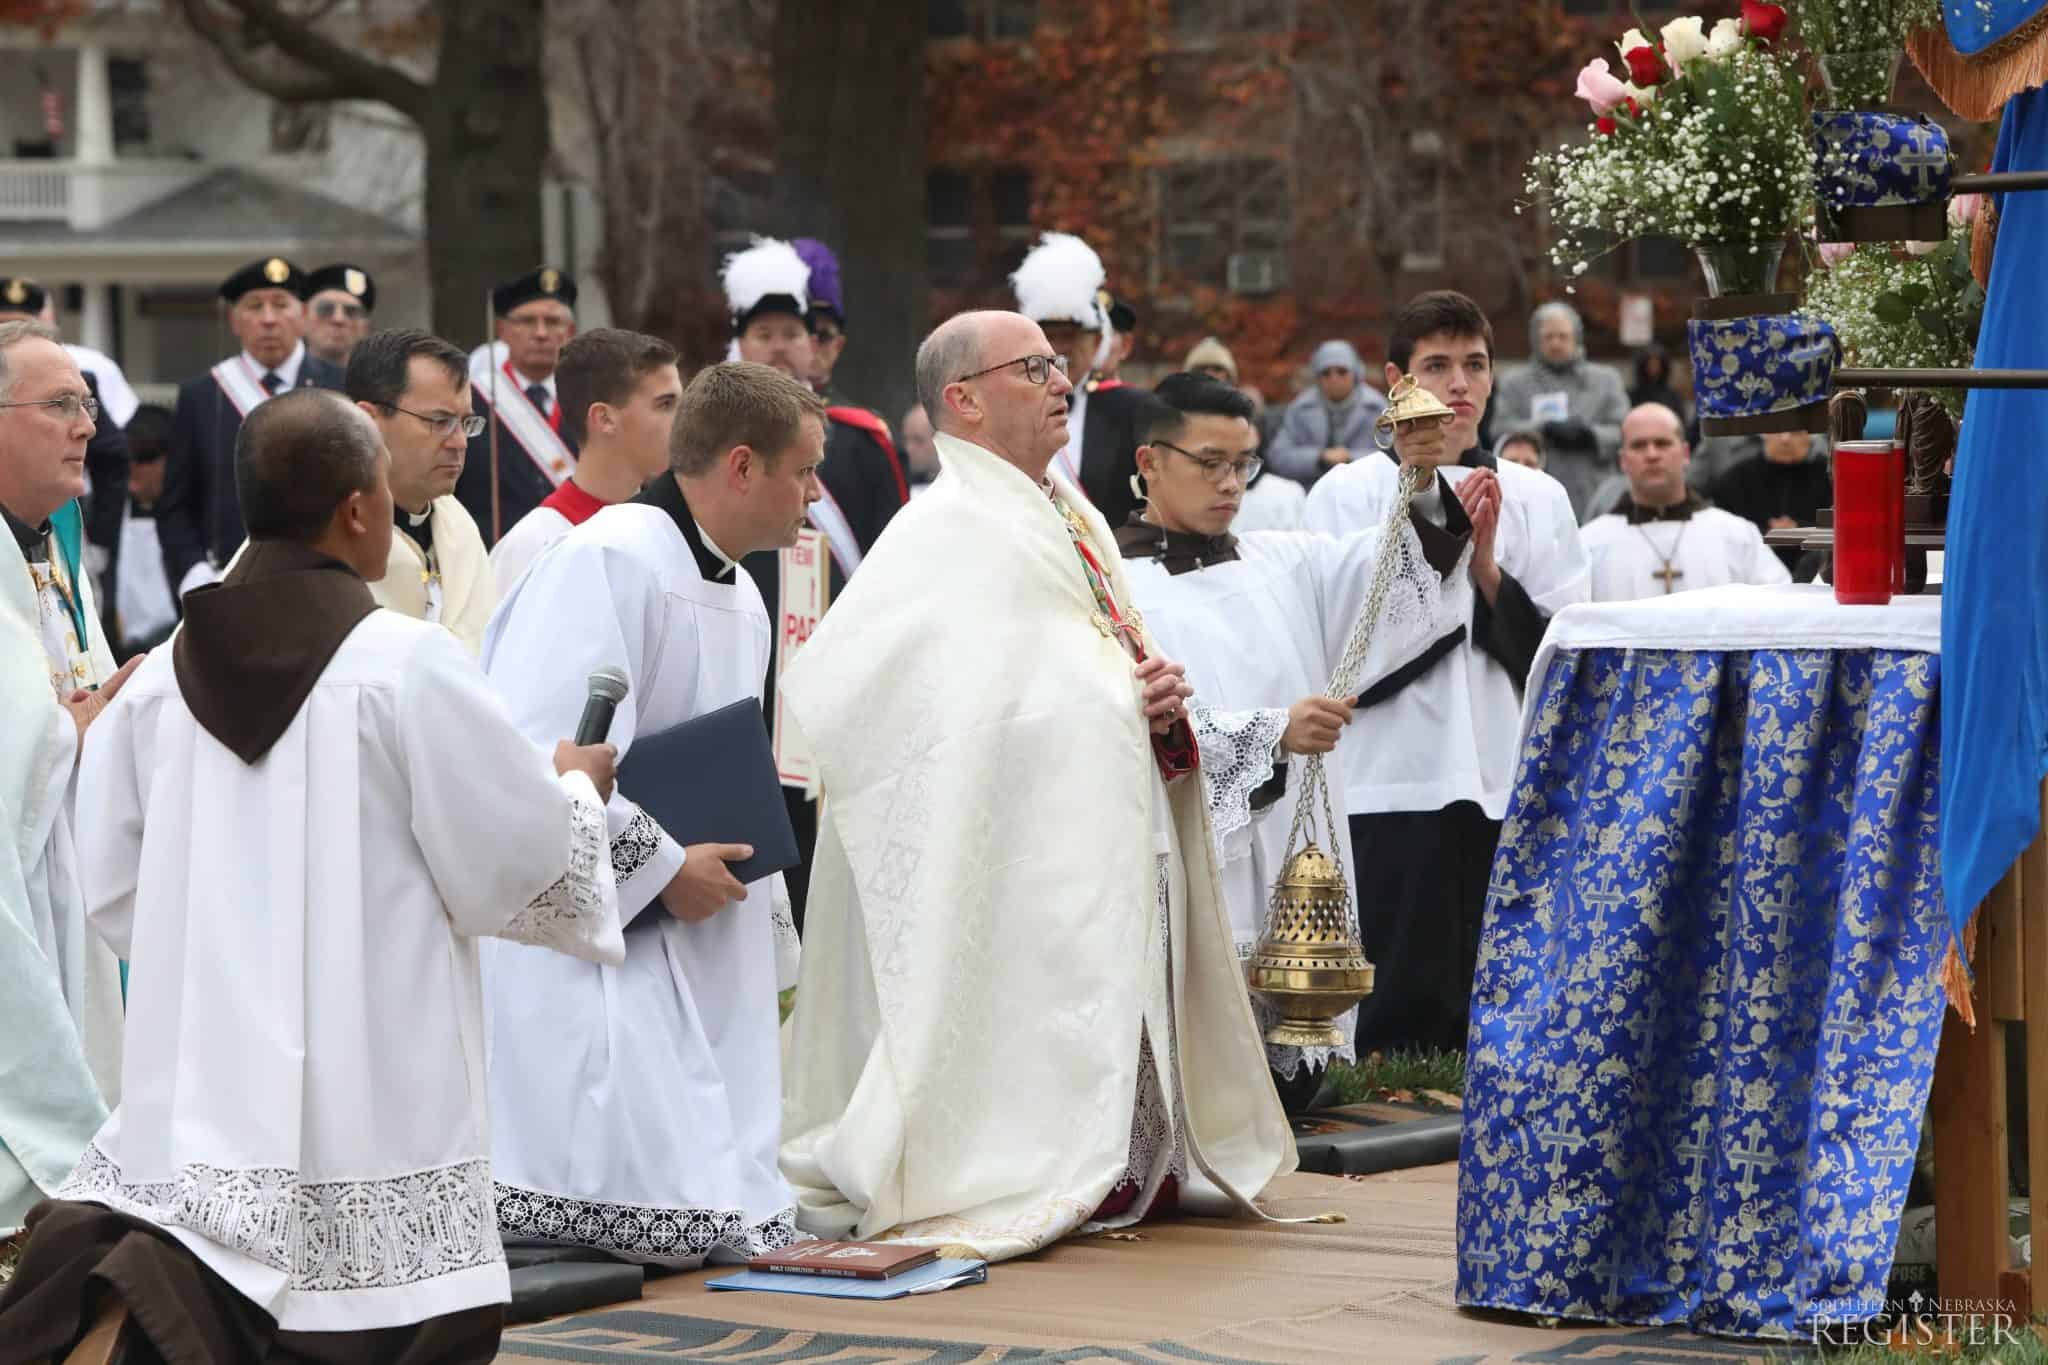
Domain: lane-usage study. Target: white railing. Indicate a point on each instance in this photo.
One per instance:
(35, 191)
(85, 195)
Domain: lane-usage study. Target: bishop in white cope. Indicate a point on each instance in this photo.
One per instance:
(303, 814)
(415, 387)
(638, 1106)
(60, 1004)
(1665, 538)
(1020, 1013)
(1428, 787)
(1262, 620)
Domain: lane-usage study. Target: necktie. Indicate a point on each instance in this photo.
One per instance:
(272, 381)
(538, 393)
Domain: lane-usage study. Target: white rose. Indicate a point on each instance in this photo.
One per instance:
(1684, 41)
(1726, 38)
(1643, 95)
(1632, 40)
(1921, 248)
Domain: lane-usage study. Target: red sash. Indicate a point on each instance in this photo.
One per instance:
(877, 428)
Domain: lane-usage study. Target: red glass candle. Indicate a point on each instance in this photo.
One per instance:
(1897, 476)
(1865, 541)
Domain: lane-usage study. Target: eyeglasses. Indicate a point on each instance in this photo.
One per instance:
(471, 425)
(68, 406)
(545, 322)
(329, 309)
(825, 336)
(1217, 469)
(1037, 368)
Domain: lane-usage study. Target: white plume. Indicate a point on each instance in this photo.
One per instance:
(766, 268)
(1058, 282)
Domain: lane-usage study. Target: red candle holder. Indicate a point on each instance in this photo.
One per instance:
(1897, 476)
(1866, 534)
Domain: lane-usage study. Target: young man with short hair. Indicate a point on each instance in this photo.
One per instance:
(619, 393)
(1426, 800)
(1261, 620)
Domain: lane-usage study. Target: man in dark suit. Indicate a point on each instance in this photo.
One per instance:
(1059, 286)
(512, 386)
(199, 520)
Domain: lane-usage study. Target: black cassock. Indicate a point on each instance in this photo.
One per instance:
(863, 477)
(199, 517)
(1109, 450)
(522, 485)
(1758, 489)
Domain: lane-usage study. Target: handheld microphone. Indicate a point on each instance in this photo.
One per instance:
(608, 686)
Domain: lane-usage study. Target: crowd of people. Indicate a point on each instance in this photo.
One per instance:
(336, 964)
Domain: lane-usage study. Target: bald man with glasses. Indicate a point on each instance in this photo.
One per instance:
(415, 387)
(1014, 870)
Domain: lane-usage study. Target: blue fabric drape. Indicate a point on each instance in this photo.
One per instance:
(1974, 25)
(1708, 998)
(1993, 632)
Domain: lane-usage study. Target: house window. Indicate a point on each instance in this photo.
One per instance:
(298, 128)
(987, 20)
(1211, 18)
(949, 226)
(1423, 223)
(974, 218)
(1226, 223)
(128, 89)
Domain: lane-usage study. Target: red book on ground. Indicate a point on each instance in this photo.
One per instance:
(848, 1260)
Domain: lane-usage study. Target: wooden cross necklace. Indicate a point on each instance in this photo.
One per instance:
(1670, 573)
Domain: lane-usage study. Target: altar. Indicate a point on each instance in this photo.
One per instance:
(1709, 995)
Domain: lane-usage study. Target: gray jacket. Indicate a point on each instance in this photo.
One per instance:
(1593, 394)
(1310, 425)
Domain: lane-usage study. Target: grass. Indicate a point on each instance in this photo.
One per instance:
(1403, 1074)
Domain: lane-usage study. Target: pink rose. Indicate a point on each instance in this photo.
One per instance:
(1599, 87)
(1834, 252)
(1964, 208)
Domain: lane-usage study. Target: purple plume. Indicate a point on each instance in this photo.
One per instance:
(824, 291)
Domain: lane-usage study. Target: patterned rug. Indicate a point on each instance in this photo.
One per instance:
(1208, 1291)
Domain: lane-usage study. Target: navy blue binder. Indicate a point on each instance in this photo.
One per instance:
(713, 780)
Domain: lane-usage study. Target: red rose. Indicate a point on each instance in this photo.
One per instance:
(1643, 66)
(1761, 21)
(1634, 110)
(1604, 125)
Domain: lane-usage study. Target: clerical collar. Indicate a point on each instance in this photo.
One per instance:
(33, 540)
(418, 525)
(1681, 511)
(1178, 552)
(715, 564)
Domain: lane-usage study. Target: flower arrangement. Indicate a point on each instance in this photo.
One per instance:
(1858, 44)
(1905, 307)
(1707, 141)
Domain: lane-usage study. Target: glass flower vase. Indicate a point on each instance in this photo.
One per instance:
(1860, 80)
(1740, 267)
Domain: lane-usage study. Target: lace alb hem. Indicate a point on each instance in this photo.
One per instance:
(789, 949)
(1238, 751)
(636, 846)
(639, 1232)
(571, 913)
(329, 1237)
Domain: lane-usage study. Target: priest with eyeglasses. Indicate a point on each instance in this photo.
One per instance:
(1261, 621)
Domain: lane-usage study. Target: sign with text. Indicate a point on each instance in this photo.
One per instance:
(804, 574)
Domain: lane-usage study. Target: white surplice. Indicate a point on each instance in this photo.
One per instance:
(521, 545)
(1258, 634)
(638, 1106)
(1451, 736)
(1019, 990)
(1274, 502)
(454, 588)
(60, 988)
(1707, 549)
(303, 1094)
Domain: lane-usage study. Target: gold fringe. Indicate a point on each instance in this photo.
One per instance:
(1976, 88)
(1983, 241)
(1327, 1218)
(1955, 973)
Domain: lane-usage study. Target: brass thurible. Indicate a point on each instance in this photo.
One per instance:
(1408, 402)
(1309, 965)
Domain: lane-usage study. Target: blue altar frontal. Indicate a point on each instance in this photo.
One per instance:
(1709, 996)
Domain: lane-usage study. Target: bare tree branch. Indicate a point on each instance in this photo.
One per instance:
(329, 70)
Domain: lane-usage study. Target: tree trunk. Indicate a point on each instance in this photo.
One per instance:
(486, 132)
(850, 164)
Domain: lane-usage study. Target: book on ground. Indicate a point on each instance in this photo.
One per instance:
(848, 1260)
(928, 1278)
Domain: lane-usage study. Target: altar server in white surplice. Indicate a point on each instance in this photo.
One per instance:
(1665, 538)
(60, 989)
(1020, 1014)
(1428, 786)
(638, 1107)
(302, 813)
(1261, 621)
